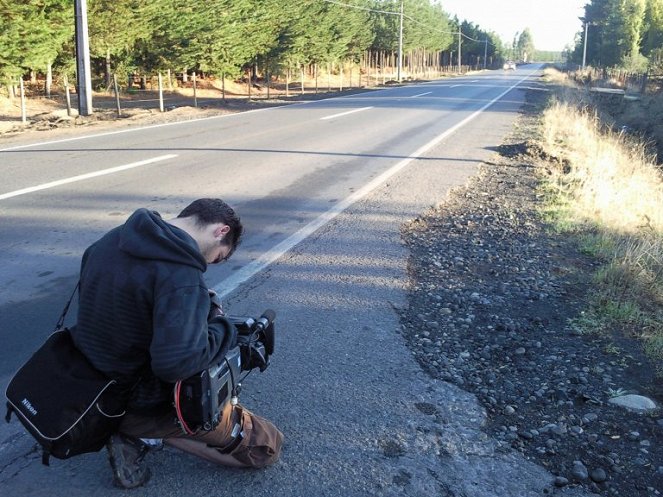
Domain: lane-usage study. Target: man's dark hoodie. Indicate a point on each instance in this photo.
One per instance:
(143, 310)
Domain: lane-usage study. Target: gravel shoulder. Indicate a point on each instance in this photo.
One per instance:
(493, 290)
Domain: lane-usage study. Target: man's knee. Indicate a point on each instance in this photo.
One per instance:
(261, 442)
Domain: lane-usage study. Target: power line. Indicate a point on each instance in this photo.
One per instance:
(388, 12)
(358, 7)
(402, 15)
(368, 9)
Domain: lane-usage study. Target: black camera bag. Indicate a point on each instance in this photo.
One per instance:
(66, 404)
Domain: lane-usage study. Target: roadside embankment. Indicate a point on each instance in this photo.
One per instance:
(500, 305)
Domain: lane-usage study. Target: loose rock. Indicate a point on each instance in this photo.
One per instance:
(633, 402)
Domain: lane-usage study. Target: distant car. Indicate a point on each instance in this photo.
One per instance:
(509, 65)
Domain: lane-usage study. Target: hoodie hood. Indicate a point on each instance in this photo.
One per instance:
(147, 236)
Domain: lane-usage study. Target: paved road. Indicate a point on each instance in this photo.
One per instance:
(322, 188)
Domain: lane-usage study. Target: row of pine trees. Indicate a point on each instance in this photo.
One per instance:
(226, 37)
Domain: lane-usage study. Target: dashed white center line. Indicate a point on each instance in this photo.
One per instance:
(345, 113)
(421, 94)
(81, 177)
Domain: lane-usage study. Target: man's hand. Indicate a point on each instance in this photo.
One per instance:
(215, 308)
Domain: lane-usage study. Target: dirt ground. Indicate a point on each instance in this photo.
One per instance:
(143, 106)
(46, 115)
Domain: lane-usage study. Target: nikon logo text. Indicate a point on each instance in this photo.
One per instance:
(29, 407)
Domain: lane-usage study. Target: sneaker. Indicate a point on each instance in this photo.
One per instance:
(153, 443)
(126, 459)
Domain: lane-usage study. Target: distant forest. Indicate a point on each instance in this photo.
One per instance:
(231, 37)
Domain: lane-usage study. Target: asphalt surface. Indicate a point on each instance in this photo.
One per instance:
(323, 189)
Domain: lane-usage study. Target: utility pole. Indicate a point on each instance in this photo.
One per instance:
(584, 49)
(83, 78)
(459, 35)
(400, 46)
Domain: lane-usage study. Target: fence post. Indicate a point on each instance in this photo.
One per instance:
(267, 81)
(49, 80)
(117, 96)
(67, 95)
(24, 117)
(195, 98)
(160, 92)
(301, 77)
(249, 82)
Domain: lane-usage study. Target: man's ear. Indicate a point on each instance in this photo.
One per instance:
(221, 230)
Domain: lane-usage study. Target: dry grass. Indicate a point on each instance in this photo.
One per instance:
(554, 76)
(608, 188)
(611, 179)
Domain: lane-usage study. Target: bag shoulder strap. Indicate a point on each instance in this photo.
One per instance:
(60, 322)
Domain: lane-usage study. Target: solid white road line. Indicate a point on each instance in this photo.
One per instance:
(228, 285)
(421, 94)
(81, 177)
(345, 113)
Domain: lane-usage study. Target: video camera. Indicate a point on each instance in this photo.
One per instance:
(200, 399)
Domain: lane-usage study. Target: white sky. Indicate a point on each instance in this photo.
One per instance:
(553, 23)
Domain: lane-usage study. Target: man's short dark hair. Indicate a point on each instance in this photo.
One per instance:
(208, 211)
